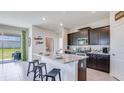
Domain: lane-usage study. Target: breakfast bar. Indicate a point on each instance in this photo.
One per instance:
(73, 67)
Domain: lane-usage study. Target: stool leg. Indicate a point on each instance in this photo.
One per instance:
(45, 69)
(41, 74)
(53, 79)
(35, 71)
(59, 76)
(38, 63)
(28, 69)
(33, 66)
(46, 78)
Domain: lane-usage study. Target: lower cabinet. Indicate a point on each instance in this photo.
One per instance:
(91, 61)
(103, 63)
(82, 73)
(99, 62)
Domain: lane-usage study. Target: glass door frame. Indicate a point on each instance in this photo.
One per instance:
(1, 33)
(3, 56)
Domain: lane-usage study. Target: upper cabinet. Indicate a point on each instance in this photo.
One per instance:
(94, 37)
(79, 38)
(105, 36)
(100, 36)
(72, 38)
(84, 36)
(88, 36)
(69, 39)
(84, 32)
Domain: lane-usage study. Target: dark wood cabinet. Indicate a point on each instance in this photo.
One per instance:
(75, 38)
(91, 61)
(103, 63)
(82, 33)
(99, 62)
(82, 73)
(100, 36)
(105, 36)
(70, 39)
(94, 37)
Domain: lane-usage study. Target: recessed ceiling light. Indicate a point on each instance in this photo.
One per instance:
(43, 18)
(61, 24)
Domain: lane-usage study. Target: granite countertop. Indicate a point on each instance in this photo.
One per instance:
(65, 58)
(99, 53)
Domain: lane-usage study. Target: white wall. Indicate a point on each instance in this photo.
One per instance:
(117, 47)
(30, 47)
(35, 49)
(63, 38)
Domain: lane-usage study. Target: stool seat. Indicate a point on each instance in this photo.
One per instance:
(53, 74)
(42, 64)
(34, 63)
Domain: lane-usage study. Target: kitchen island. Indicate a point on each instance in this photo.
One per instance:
(73, 67)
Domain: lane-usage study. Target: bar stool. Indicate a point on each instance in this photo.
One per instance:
(52, 74)
(38, 69)
(34, 63)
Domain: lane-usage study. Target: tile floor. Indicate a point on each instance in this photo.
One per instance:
(14, 72)
(95, 75)
(17, 72)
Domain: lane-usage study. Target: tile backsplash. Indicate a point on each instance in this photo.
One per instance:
(89, 47)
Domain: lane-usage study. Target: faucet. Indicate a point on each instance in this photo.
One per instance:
(59, 51)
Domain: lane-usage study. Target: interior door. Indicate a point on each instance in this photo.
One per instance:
(49, 44)
(117, 51)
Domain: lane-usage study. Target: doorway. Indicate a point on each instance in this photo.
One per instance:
(10, 44)
(49, 44)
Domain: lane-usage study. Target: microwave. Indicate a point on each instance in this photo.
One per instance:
(82, 41)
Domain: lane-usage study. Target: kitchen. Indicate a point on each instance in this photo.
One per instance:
(82, 50)
(96, 44)
(85, 40)
(62, 45)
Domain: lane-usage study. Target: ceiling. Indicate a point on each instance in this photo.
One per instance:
(69, 19)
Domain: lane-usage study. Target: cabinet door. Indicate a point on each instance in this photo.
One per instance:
(70, 39)
(91, 62)
(75, 38)
(105, 36)
(103, 63)
(82, 73)
(94, 37)
(83, 33)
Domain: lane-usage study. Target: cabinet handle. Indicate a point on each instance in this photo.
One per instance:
(113, 54)
(82, 65)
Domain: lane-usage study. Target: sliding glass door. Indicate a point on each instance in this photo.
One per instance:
(10, 47)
